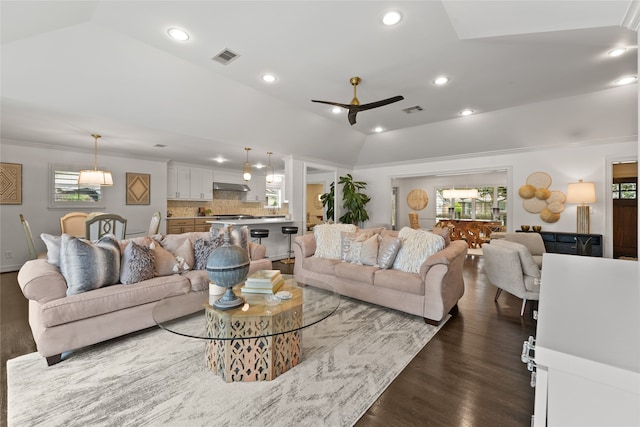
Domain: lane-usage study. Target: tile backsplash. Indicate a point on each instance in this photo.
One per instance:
(226, 202)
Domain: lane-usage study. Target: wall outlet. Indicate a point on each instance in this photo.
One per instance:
(8, 254)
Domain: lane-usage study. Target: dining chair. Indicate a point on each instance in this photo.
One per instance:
(73, 223)
(100, 225)
(414, 221)
(154, 225)
(29, 236)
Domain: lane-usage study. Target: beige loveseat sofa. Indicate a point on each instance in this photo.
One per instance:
(61, 322)
(431, 292)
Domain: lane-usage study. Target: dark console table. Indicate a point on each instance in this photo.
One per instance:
(572, 243)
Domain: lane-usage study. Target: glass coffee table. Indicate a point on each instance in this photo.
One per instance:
(255, 342)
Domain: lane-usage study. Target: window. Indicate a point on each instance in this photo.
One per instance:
(275, 192)
(64, 192)
(491, 204)
(624, 189)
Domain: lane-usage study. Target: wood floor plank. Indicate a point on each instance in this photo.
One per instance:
(469, 374)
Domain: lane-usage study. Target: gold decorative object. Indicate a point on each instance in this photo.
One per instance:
(138, 189)
(583, 193)
(547, 216)
(417, 199)
(527, 191)
(542, 193)
(10, 184)
(246, 167)
(269, 174)
(534, 205)
(537, 228)
(524, 227)
(539, 180)
(539, 199)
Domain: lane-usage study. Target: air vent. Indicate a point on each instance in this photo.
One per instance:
(225, 56)
(412, 110)
(159, 145)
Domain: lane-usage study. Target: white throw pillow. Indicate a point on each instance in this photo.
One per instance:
(417, 246)
(328, 239)
(53, 248)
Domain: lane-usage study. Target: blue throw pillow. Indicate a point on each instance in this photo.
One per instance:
(87, 266)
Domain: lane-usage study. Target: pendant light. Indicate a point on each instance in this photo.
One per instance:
(269, 171)
(94, 176)
(246, 168)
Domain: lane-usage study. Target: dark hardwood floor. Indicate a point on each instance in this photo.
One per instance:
(469, 374)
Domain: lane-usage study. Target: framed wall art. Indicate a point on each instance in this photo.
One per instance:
(10, 184)
(138, 188)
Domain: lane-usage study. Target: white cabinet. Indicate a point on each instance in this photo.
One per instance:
(178, 182)
(587, 348)
(187, 183)
(258, 187)
(201, 184)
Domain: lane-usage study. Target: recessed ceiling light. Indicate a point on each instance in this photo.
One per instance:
(219, 159)
(617, 51)
(466, 112)
(336, 110)
(269, 78)
(391, 18)
(441, 80)
(626, 80)
(378, 129)
(178, 34)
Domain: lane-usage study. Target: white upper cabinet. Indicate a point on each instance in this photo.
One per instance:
(258, 188)
(189, 183)
(201, 184)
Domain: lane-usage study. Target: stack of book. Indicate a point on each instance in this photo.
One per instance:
(263, 282)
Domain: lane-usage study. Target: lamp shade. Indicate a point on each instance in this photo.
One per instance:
(95, 177)
(581, 192)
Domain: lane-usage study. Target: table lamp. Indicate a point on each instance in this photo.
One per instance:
(583, 193)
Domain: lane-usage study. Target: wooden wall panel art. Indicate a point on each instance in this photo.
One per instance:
(10, 184)
(138, 188)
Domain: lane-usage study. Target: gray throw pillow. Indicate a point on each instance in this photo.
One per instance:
(137, 264)
(87, 266)
(53, 248)
(388, 248)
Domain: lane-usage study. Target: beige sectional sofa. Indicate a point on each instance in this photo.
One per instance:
(431, 292)
(62, 322)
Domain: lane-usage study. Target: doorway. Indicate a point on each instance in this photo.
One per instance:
(625, 210)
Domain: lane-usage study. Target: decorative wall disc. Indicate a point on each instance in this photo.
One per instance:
(534, 205)
(539, 180)
(417, 199)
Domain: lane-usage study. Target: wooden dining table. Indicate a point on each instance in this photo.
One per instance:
(474, 231)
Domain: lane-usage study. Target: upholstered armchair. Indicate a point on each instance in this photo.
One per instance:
(533, 242)
(510, 266)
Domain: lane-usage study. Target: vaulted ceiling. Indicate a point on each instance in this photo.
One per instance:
(72, 68)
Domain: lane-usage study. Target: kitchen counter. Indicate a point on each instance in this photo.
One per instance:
(251, 221)
(218, 217)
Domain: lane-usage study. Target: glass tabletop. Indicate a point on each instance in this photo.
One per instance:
(268, 314)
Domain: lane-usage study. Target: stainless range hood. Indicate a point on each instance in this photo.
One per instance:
(227, 186)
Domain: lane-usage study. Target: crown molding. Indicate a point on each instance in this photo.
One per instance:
(631, 19)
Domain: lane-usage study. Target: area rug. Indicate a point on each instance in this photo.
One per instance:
(154, 378)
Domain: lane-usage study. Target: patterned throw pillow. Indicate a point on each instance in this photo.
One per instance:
(137, 264)
(388, 247)
(417, 246)
(202, 248)
(87, 266)
(53, 247)
(329, 239)
(239, 236)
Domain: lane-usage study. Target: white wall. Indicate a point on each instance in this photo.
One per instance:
(35, 168)
(589, 162)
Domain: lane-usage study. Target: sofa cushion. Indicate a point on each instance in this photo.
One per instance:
(199, 280)
(164, 261)
(351, 245)
(388, 247)
(136, 264)
(202, 248)
(320, 265)
(400, 281)
(53, 247)
(184, 255)
(87, 266)
(111, 298)
(358, 273)
(417, 246)
(328, 239)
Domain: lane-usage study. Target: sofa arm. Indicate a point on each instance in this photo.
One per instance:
(41, 281)
(257, 251)
(455, 250)
(305, 245)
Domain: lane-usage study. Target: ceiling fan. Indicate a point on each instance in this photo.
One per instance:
(354, 107)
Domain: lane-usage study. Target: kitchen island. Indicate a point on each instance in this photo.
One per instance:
(277, 243)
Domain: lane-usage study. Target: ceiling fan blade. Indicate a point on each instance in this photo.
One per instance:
(337, 104)
(377, 104)
(352, 116)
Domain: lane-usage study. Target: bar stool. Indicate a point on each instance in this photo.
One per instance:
(259, 233)
(289, 229)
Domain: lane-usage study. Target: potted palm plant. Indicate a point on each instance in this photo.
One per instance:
(327, 200)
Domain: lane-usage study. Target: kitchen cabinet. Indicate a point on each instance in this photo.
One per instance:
(189, 183)
(178, 182)
(258, 187)
(178, 226)
(201, 184)
(200, 224)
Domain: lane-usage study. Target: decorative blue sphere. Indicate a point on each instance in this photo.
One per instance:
(227, 266)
